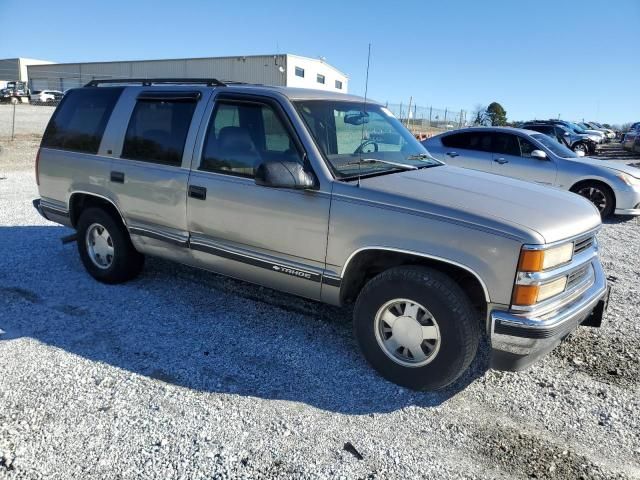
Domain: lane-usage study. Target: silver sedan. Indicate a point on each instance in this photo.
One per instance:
(613, 187)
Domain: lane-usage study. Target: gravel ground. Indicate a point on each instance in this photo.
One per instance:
(30, 120)
(186, 374)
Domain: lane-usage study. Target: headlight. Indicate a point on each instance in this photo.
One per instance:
(533, 261)
(628, 179)
(525, 295)
(538, 260)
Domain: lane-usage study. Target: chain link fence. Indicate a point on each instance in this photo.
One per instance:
(428, 121)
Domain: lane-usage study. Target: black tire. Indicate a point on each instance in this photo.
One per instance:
(456, 319)
(126, 262)
(599, 194)
(581, 147)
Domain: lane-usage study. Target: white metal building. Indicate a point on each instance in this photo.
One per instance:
(15, 69)
(279, 69)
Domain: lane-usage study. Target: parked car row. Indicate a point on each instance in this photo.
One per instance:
(631, 139)
(329, 197)
(582, 144)
(49, 97)
(530, 154)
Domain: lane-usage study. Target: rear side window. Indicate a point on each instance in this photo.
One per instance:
(158, 129)
(79, 122)
(480, 141)
(457, 140)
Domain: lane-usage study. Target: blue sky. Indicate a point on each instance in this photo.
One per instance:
(579, 59)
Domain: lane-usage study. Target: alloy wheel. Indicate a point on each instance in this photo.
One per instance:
(99, 246)
(595, 196)
(407, 333)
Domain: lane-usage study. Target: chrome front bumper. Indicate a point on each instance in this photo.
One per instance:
(519, 339)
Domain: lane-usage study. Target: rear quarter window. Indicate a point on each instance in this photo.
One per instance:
(79, 122)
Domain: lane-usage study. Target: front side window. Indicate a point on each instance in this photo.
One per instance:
(505, 144)
(241, 135)
(79, 122)
(355, 140)
(299, 72)
(320, 78)
(158, 130)
(526, 147)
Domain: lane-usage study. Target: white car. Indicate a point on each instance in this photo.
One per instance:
(45, 96)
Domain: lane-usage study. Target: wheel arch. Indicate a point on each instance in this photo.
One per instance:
(600, 181)
(80, 200)
(367, 262)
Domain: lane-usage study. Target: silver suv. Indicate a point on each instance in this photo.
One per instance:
(327, 197)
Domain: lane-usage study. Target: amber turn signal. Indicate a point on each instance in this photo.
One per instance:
(524, 295)
(531, 261)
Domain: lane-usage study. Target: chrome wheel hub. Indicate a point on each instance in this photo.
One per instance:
(407, 333)
(99, 246)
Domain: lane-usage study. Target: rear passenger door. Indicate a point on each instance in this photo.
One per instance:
(468, 150)
(150, 169)
(512, 158)
(271, 236)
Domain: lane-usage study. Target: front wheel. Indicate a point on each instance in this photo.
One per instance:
(581, 147)
(416, 327)
(598, 194)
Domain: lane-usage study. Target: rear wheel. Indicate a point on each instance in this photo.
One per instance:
(598, 194)
(105, 247)
(416, 327)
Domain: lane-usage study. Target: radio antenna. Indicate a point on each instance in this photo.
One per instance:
(364, 111)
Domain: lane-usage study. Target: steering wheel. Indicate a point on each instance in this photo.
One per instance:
(364, 144)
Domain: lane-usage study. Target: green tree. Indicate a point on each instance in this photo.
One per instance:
(496, 114)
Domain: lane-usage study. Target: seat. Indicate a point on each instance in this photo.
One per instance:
(236, 149)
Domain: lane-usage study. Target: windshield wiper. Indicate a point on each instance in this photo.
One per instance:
(424, 157)
(386, 162)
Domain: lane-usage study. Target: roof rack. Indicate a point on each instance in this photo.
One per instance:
(209, 82)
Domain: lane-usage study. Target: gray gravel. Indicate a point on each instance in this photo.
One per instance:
(186, 374)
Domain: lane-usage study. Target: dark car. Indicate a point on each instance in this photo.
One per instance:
(564, 135)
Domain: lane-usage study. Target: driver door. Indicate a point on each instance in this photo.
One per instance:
(271, 236)
(512, 158)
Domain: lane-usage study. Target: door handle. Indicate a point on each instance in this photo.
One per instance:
(452, 154)
(117, 177)
(197, 192)
(501, 160)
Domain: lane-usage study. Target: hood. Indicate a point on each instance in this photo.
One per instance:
(629, 169)
(535, 213)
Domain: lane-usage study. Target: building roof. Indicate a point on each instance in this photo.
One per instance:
(318, 60)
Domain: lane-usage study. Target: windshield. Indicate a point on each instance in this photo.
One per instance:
(577, 128)
(557, 148)
(347, 135)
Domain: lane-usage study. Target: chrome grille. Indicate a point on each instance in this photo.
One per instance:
(577, 276)
(582, 245)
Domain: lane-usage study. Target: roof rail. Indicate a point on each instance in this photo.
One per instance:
(209, 82)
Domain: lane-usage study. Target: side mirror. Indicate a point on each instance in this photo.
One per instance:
(567, 134)
(281, 174)
(539, 154)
